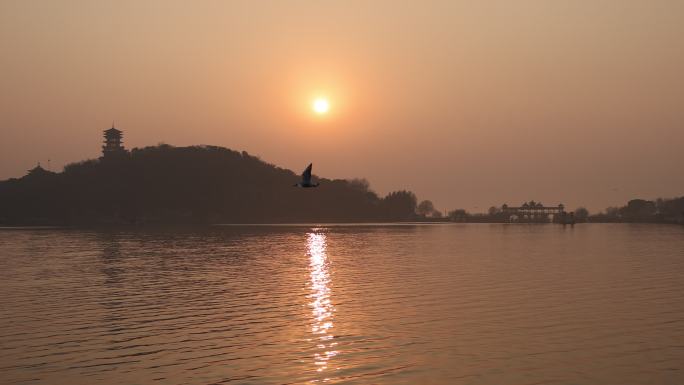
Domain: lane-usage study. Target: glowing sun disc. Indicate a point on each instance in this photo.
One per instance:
(320, 106)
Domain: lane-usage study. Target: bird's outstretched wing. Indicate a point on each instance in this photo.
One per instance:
(306, 175)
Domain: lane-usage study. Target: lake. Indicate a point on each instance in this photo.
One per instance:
(354, 304)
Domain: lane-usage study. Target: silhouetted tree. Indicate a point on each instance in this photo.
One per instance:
(360, 184)
(581, 214)
(399, 205)
(493, 211)
(638, 209)
(671, 209)
(613, 212)
(458, 215)
(425, 208)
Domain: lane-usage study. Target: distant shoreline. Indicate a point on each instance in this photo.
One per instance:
(297, 224)
(198, 185)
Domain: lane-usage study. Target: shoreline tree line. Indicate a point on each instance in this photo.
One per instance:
(196, 184)
(210, 184)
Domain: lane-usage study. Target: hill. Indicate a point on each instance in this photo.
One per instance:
(198, 184)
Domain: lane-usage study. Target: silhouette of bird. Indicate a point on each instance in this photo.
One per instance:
(306, 178)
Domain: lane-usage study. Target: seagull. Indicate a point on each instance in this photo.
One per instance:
(306, 178)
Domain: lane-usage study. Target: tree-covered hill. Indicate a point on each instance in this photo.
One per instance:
(199, 184)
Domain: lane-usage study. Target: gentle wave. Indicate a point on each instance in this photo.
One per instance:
(429, 304)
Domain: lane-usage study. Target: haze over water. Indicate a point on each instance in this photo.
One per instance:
(380, 304)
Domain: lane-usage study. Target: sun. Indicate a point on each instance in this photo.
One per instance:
(321, 106)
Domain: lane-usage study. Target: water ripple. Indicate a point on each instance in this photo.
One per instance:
(458, 304)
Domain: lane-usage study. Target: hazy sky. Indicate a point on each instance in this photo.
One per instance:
(467, 103)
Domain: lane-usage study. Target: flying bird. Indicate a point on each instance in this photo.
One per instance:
(306, 178)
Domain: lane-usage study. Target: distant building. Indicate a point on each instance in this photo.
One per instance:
(533, 212)
(38, 172)
(113, 146)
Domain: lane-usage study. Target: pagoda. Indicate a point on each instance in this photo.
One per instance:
(112, 143)
(38, 172)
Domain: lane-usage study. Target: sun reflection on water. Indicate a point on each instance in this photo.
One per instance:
(322, 308)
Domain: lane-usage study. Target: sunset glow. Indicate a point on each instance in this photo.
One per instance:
(324, 192)
(475, 84)
(320, 106)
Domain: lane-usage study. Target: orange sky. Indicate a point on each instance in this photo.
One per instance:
(468, 103)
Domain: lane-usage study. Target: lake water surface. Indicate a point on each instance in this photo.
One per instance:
(354, 304)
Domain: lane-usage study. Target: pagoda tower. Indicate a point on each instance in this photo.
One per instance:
(38, 172)
(112, 143)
